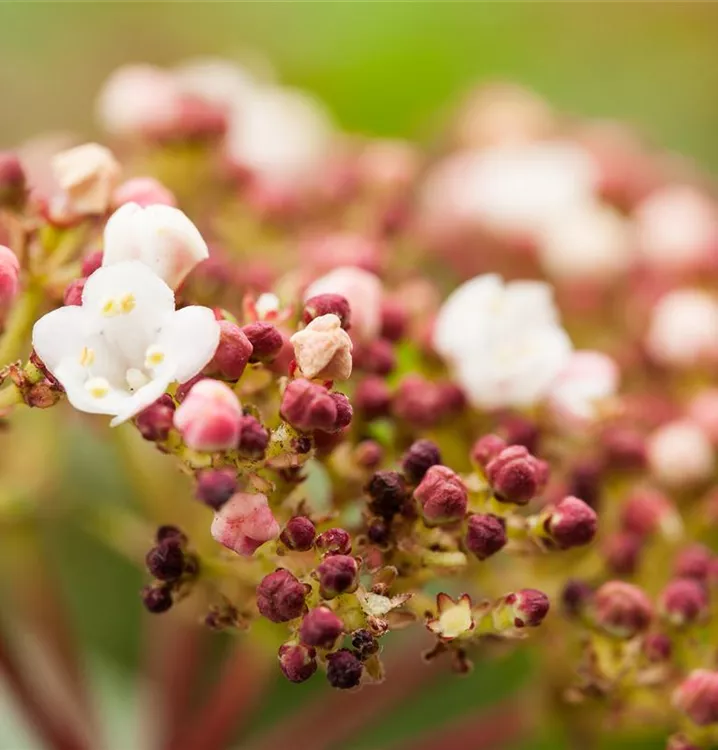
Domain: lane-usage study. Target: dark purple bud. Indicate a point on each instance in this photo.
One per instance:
(13, 189)
(368, 454)
(266, 341)
(157, 599)
(334, 542)
(216, 486)
(344, 670)
(418, 459)
(442, 496)
(485, 535)
(387, 492)
(584, 481)
(529, 607)
(575, 597)
(320, 628)
(281, 597)
(155, 422)
(571, 523)
(622, 609)
(372, 397)
(327, 304)
(515, 475)
(486, 448)
(297, 662)
(183, 390)
(344, 411)
(298, 534)
(338, 574)
(167, 531)
(253, 438)
(166, 561)
(364, 644)
(232, 353)
(379, 532)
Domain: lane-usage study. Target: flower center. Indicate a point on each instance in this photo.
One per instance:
(114, 306)
(97, 387)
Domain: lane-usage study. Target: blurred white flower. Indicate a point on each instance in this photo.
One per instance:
(218, 82)
(282, 135)
(677, 228)
(162, 237)
(118, 352)
(683, 330)
(503, 341)
(516, 189)
(88, 175)
(589, 242)
(680, 453)
(585, 382)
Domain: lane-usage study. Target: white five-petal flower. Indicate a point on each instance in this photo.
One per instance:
(504, 341)
(162, 237)
(118, 352)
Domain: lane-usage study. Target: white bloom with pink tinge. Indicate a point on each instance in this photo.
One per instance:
(9, 277)
(362, 290)
(119, 351)
(680, 453)
(323, 349)
(683, 330)
(161, 237)
(576, 395)
(144, 191)
(88, 175)
(504, 342)
(209, 418)
(244, 523)
(677, 228)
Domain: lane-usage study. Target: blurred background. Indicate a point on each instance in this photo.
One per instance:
(387, 69)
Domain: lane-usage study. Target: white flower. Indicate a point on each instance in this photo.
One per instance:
(683, 330)
(590, 242)
(587, 379)
(515, 189)
(680, 453)
(282, 135)
(87, 174)
(117, 352)
(504, 341)
(162, 237)
(221, 83)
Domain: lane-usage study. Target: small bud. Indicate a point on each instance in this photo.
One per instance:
(12, 181)
(584, 481)
(184, 388)
(417, 401)
(297, 662)
(625, 448)
(145, 191)
(88, 175)
(372, 397)
(697, 697)
(571, 523)
(621, 551)
(694, 562)
(168, 531)
(529, 607)
(155, 422)
(418, 459)
(657, 647)
(486, 448)
(327, 304)
(377, 357)
(9, 277)
(321, 628)
(73, 293)
(387, 492)
(157, 599)
(266, 341)
(622, 610)
(323, 349)
(575, 597)
(394, 320)
(244, 523)
(232, 353)
(344, 670)
(216, 486)
(209, 417)
(368, 454)
(334, 542)
(338, 574)
(166, 561)
(515, 475)
(683, 602)
(647, 512)
(442, 496)
(298, 534)
(518, 430)
(379, 532)
(308, 406)
(281, 597)
(91, 262)
(364, 644)
(344, 411)
(485, 535)
(253, 438)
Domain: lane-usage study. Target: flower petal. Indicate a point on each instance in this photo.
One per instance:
(190, 338)
(60, 334)
(143, 397)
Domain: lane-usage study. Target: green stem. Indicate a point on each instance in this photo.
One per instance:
(19, 325)
(10, 396)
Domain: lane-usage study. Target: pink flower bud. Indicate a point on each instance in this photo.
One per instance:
(344, 670)
(485, 535)
(418, 459)
(338, 574)
(216, 486)
(697, 697)
(308, 406)
(575, 597)
(244, 523)
(394, 320)
(88, 175)
(622, 610)
(209, 419)
(334, 542)
(694, 562)
(442, 496)
(571, 523)
(73, 293)
(253, 438)
(529, 607)
(372, 397)
(144, 191)
(9, 277)
(486, 448)
(515, 475)
(621, 551)
(280, 596)
(232, 354)
(265, 339)
(625, 448)
(703, 411)
(321, 628)
(323, 349)
(155, 422)
(376, 357)
(683, 602)
(680, 454)
(368, 454)
(418, 402)
(327, 304)
(297, 662)
(657, 647)
(91, 262)
(13, 189)
(298, 534)
(342, 250)
(646, 512)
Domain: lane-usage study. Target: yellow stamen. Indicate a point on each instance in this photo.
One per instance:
(87, 357)
(128, 303)
(154, 356)
(97, 387)
(110, 308)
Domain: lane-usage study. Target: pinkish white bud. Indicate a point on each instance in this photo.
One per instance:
(209, 419)
(88, 175)
(680, 454)
(144, 191)
(233, 352)
(244, 523)
(703, 411)
(697, 697)
(323, 349)
(9, 277)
